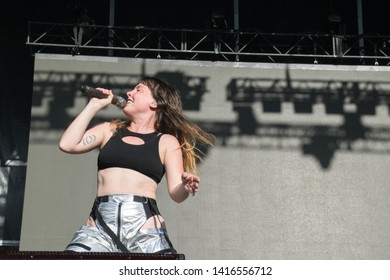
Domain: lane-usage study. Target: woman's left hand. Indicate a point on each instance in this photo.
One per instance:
(190, 182)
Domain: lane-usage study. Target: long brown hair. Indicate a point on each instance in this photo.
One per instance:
(171, 120)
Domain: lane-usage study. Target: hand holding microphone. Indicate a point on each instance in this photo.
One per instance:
(118, 101)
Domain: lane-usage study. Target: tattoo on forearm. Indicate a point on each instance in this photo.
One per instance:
(89, 139)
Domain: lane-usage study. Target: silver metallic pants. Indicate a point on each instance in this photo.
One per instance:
(124, 215)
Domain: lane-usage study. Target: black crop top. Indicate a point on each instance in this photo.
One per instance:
(143, 158)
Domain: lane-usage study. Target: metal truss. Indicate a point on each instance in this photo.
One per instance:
(211, 45)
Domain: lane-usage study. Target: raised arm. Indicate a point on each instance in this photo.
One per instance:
(76, 138)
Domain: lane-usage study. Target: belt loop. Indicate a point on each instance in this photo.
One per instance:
(104, 198)
(142, 199)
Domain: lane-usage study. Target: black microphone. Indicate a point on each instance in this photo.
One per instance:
(93, 92)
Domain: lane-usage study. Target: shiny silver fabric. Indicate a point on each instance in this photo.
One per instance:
(125, 217)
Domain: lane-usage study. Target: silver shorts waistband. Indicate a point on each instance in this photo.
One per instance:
(123, 198)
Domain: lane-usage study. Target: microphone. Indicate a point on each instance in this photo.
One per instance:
(118, 101)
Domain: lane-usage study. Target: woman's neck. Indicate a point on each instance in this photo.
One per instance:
(141, 127)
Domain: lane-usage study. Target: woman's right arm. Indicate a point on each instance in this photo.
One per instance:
(76, 138)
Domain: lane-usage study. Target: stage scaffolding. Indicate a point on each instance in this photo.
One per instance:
(210, 45)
